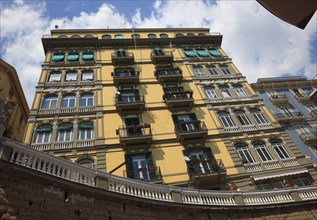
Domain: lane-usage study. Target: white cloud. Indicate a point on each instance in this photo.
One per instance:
(260, 44)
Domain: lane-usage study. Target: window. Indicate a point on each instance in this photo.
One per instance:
(43, 134)
(279, 149)
(201, 161)
(87, 162)
(225, 70)
(190, 35)
(75, 36)
(135, 36)
(202, 53)
(118, 36)
(88, 56)
(121, 53)
(211, 92)
(190, 53)
(215, 53)
(158, 52)
(225, 91)
(258, 117)
(302, 181)
(87, 75)
(50, 102)
(73, 57)
(88, 36)
(55, 76)
(58, 57)
(62, 36)
(71, 76)
(106, 36)
(262, 151)
(86, 100)
(242, 117)
(151, 35)
(212, 70)
(263, 186)
(199, 71)
(179, 35)
(140, 167)
(186, 122)
(163, 36)
(240, 91)
(307, 90)
(69, 101)
(128, 96)
(244, 153)
(225, 119)
(85, 131)
(64, 132)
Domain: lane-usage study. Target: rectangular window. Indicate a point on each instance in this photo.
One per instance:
(199, 71)
(226, 93)
(240, 92)
(55, 77)
(71, 76)
(212, 70)
(225, 70)
(263, 153)
(211, 93)
(302, 181)
(87, 76)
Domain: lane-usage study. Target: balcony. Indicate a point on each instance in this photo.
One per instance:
(191, 130)
(313, 113)
(148, 174)
(279, 99)
(129, 103)
(177, 99)
(135, 134)
(163, 57)
(168, 73)
(206, 172)
(122, 57)
(125, 76)
(289, 117)
(309, 138)
(303, 98)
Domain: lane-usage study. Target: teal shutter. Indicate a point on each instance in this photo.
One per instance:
(65, 127)
(203, 53)
(73, 57)
(58, 57)
(88, 125)
(88, 56)
(46, 128)
(215, 53)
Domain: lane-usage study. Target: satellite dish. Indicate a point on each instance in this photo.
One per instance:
(186, 158)
(56, 26)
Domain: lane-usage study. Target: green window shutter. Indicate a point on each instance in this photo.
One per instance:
(215, 53)
(88, 56)
(58, 57)
(192, 116)
(86, 125)
(175, 119)
(44, 129)
(65, 127)
(190, 53)
(128, 164)
(73, 57)
(203, 53)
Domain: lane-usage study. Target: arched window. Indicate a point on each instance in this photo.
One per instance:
(211, 92)
(163, 36)
(240, 90)
(86, 100)
(76, 36)
(118, 36)
(106, 36)
(262, 151)
(85, 131)
(201, 34)
(50, 102)
(71, 75)
(55, 76)
(151, 35)
(65, 132)
(212, 70)
(86, 162)
(135, 36)
(242, 117)
(179, 35)
(258, 117)
(225, 70)
(244, 153)
(190, 35)
(69, 101)
(88, 36)
(62, 36)
(43, 134)
(279, 148)
(87, 75)
(199, 71)
(225, 119)
(225, 91)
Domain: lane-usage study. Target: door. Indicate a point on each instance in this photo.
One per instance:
(140, 167)
(132, 126)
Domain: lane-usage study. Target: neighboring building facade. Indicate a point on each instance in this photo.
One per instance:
(160, 105)
(293, 101)
(14, 110)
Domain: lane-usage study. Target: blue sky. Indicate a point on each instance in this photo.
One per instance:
(260, 44)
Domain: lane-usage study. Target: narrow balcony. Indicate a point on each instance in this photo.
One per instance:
(290, 117)
(303, 98)
(161, 56)
(191, 130)
(279, 99)
(126, 75)
(313, 113)
(129, 102)
(148, 174)
(309, 138)
(122, 57)
(206, 172)
(178, 99)
(168, 73)
(135, 134)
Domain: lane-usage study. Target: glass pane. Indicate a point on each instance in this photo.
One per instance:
(72, 103)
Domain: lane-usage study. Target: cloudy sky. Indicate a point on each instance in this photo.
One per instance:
(260, 44)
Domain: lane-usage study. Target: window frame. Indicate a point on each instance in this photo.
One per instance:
(279, 149)
(84, 97)
(258, 116)
(50, 99)
(201, 72)
(242, 117)
(243, 152)
(262, 151)
(226, 119)
(211, 92)
(90, 72)
(68, 98)
(83, 133)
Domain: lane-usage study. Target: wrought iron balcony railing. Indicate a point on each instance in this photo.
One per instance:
(148, 173)
(195, 130)
(129, 102)
(135, 134)
(125, 75)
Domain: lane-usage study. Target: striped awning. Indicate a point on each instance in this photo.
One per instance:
(278, 175)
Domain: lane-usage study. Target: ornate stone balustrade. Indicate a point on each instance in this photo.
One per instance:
(290, 162)
(22, 155)
(252, 167)
(272, 164)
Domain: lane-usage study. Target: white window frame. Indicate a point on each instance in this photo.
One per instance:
(50, 100)
(244, 153)
(240, 91)
(280, 150)
(42, 135)
(244, 118)
(212, 70)
(68, 98)
(226, 119)
(71, 75)
(85, 133)
(85, 74)
(86, 100)
(258, 117)
(211, 92)
(262, 151)
(55, 77)
(225, 70)
(199, 71)
(62, 136)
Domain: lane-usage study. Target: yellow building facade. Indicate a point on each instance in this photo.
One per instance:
(14, 109)
(160, 105)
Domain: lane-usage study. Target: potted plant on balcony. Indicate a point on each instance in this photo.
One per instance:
(287, 183)
(232, 186)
